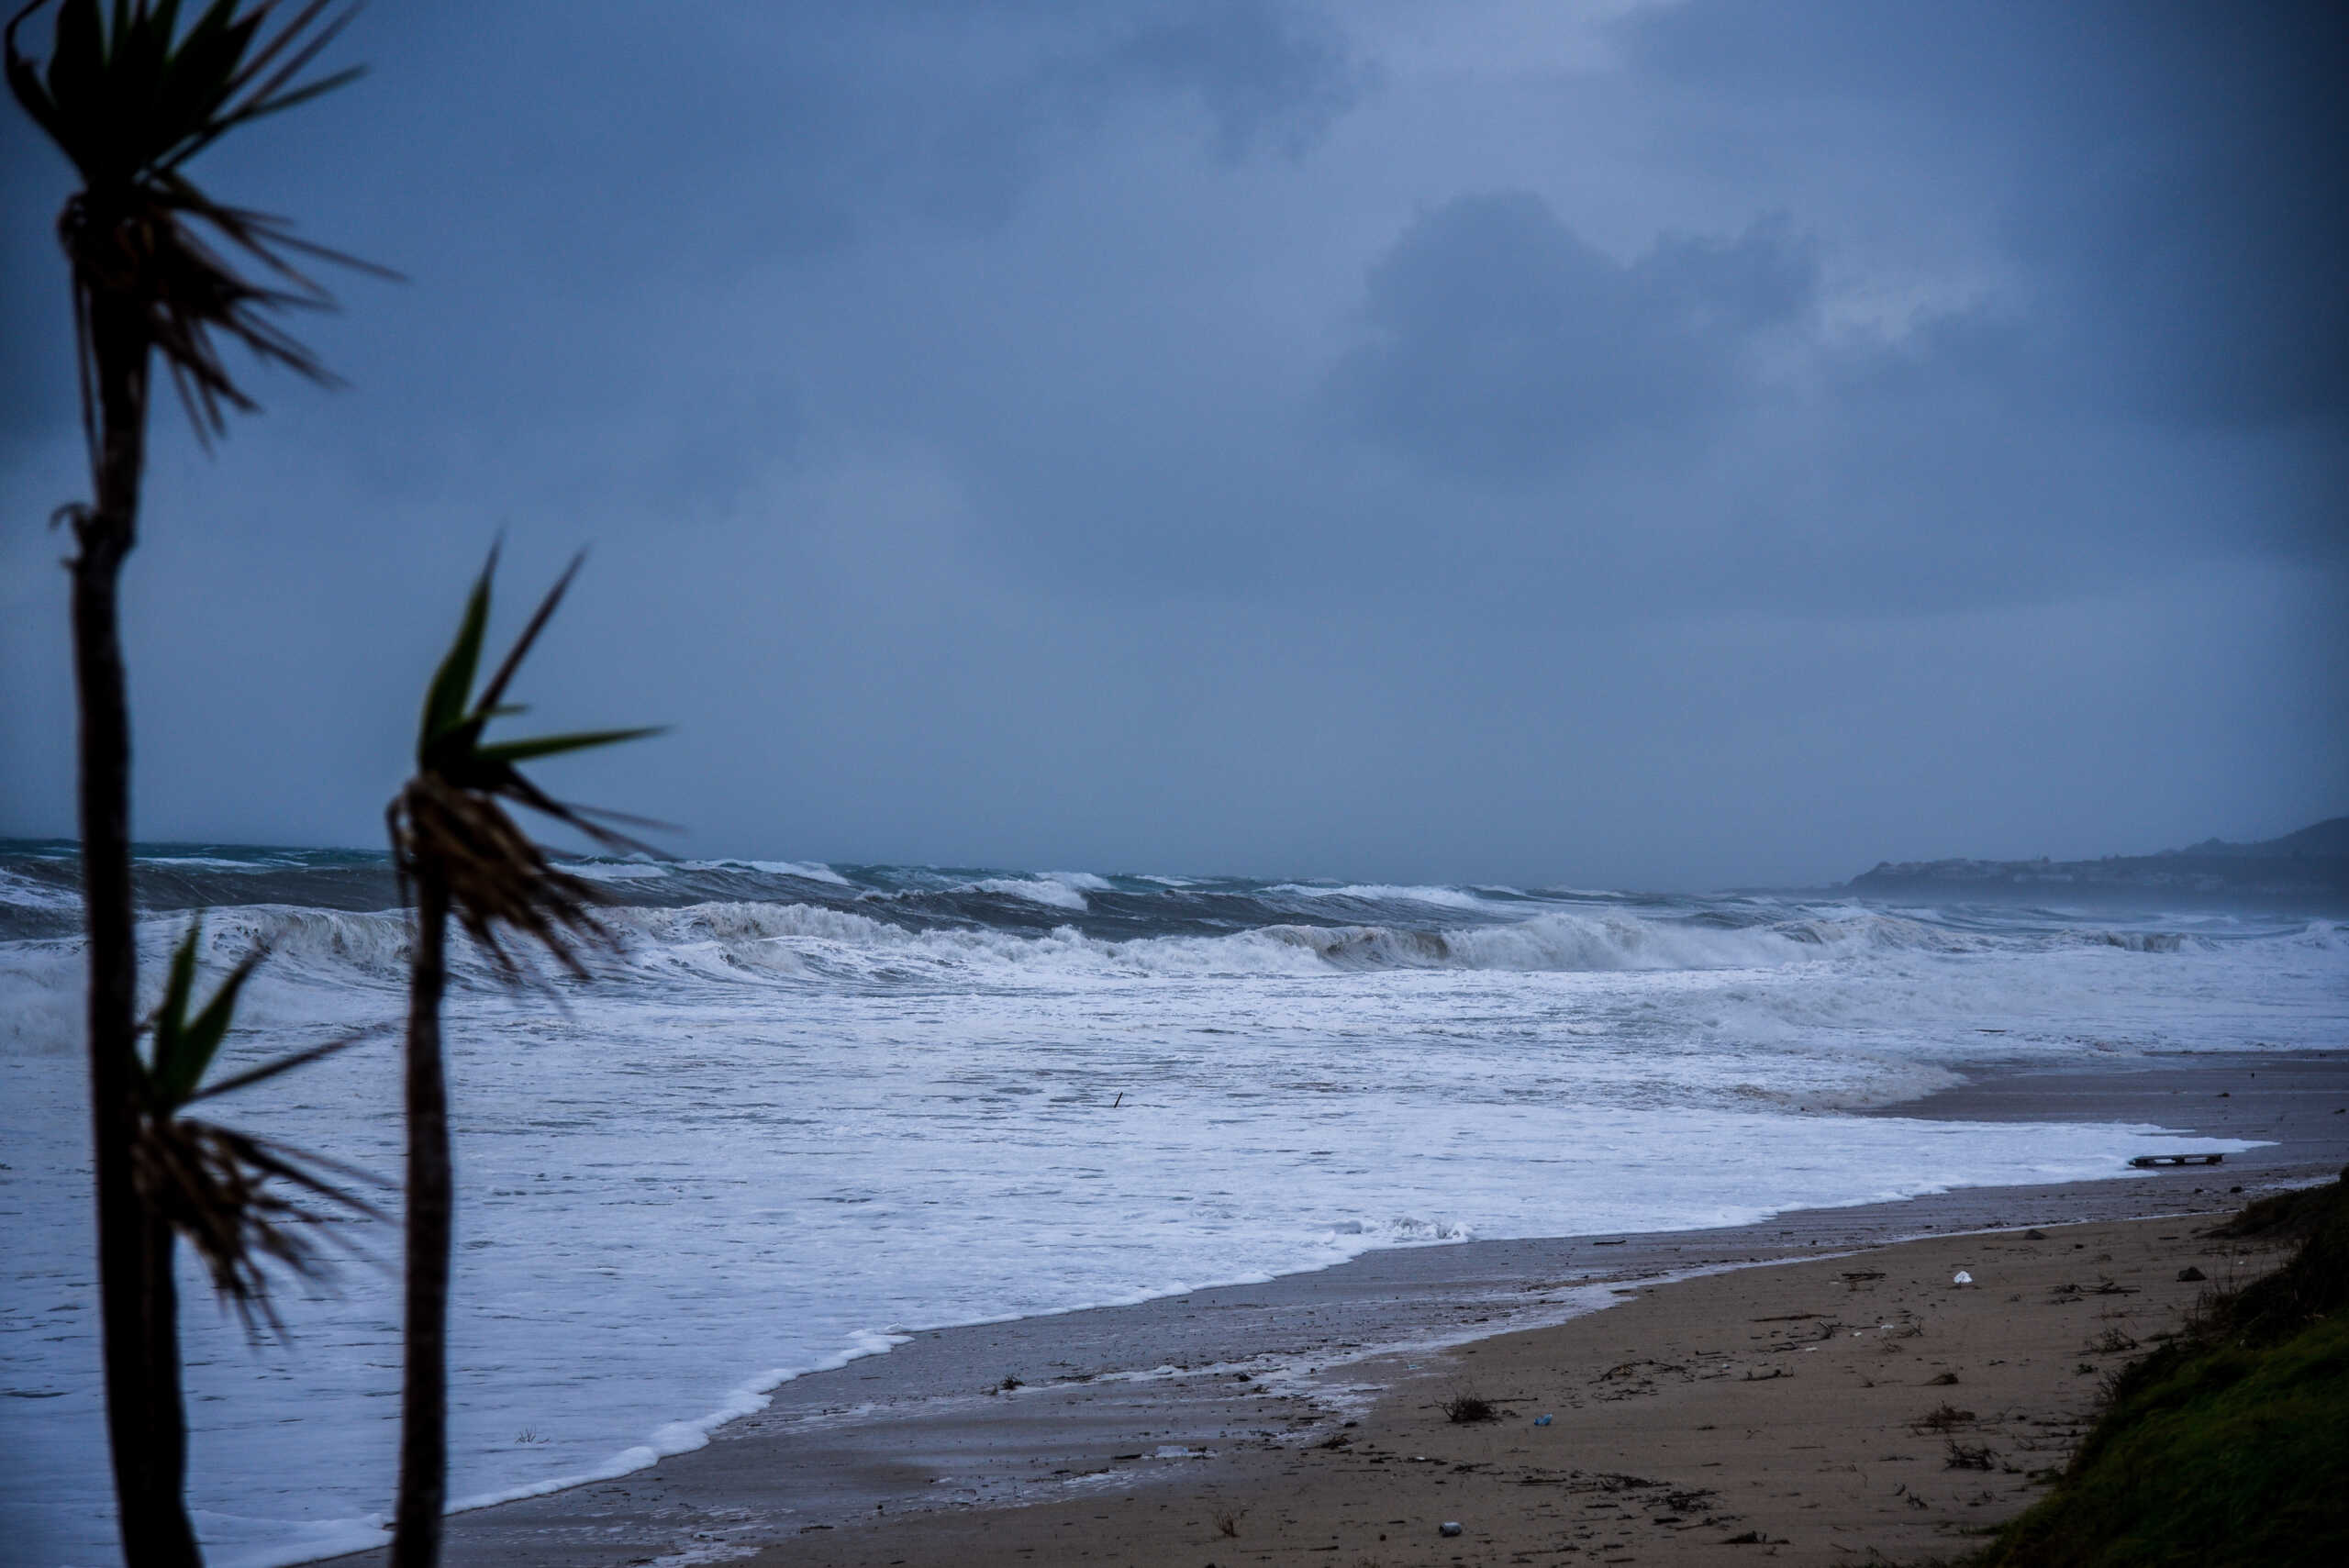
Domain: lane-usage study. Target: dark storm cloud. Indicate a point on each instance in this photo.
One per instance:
(1504, 343)
(635, 163)
(1269, 76)
(1480, 440)
(2175, 168)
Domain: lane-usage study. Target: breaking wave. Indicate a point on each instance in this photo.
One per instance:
(735, 942)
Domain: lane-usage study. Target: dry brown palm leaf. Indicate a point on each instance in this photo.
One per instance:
(495, 875)
(212, 1185)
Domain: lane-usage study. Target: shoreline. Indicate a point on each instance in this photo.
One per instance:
(1865, 1408)
(1102, 1394)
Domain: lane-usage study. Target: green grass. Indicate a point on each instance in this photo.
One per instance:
(2230, 1445)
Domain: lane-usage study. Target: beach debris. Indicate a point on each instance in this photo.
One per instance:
(2153, 1162)
(1961, 1277)
(2189, 1274)
(1468, 1406)
(2034, 1234)
(1965, 1456)
(1944, 1380)
(1540, 1420)
(1449, 1527)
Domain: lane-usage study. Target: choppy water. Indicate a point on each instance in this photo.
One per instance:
(808, 1108)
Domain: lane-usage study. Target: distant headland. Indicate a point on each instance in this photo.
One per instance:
(2307, 870)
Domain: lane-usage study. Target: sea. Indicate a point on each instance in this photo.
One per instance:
(802, 1111)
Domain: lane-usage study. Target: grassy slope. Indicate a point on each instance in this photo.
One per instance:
(2231, 1444)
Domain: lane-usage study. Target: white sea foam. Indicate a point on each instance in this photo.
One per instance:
(614, 871)
(23, 892)
(1383, 893)
(806, 870)
(1055, 891)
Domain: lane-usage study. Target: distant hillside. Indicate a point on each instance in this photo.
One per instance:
(2309, 869)
(2328, 839)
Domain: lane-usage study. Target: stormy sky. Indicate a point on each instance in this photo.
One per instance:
(1654, 444)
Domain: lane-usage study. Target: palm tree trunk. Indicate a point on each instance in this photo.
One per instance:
(146, 1424)
(171, 1538)
(424, 1388)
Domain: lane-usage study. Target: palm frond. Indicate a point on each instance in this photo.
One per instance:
(445, 698)
(496, 877)
(491, 692)
(448, 821)
(129, 101)
(212, 1185)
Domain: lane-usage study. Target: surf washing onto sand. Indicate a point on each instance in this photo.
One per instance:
(806, 1109)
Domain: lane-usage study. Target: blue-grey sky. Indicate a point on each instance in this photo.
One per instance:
(1658, 444)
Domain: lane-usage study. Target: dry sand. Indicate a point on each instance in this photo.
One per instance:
(1843, 1410)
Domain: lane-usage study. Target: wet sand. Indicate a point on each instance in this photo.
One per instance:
(1132, 1431)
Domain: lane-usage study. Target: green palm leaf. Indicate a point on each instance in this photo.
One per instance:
(185, 1047)
(173, 1010)
(555, 745)
(199, 1040)
(452, 682)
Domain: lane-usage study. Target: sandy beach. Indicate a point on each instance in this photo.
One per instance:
(1818, 1412)
(1771, 1381)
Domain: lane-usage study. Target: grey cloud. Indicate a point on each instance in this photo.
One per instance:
(1503, 343)
(1269, 74)
(2172, 175)
(648, 165)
